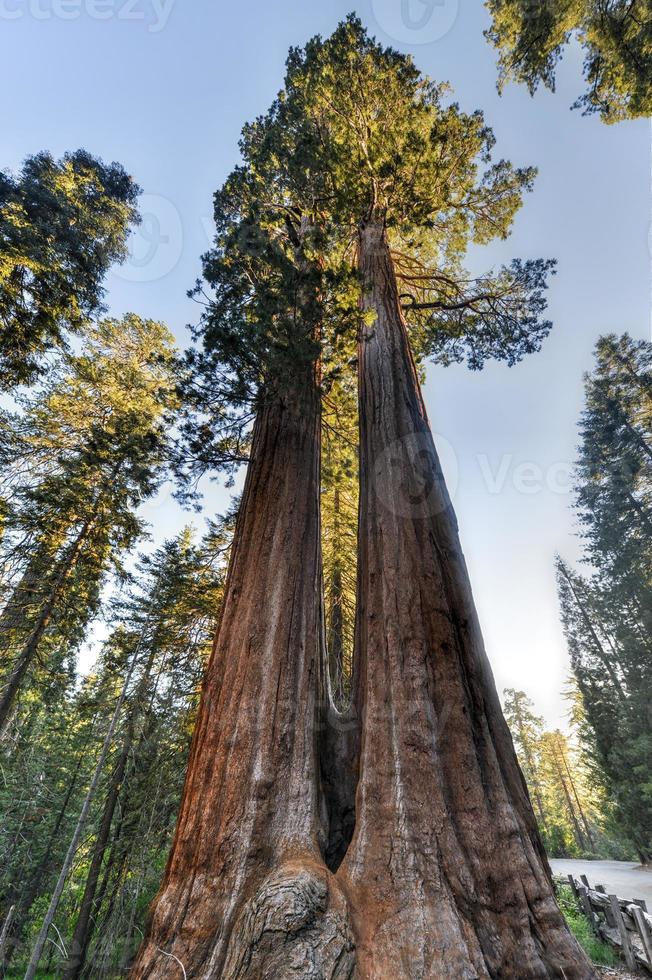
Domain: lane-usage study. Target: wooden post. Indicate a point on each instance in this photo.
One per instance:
(630, 959)
(4, 934)
(644, 932)
(641, 903)
(588, 910)
(607, 911)
(571, 882)
(585, 881)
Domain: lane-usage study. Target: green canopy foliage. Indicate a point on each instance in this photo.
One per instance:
(615, 36)
(575, 816)
(607, 614)
(356, 134)
(162, 621)
(79, 458)
(63, 223)
(359, 134)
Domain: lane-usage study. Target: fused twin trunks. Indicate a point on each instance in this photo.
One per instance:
(441, 873)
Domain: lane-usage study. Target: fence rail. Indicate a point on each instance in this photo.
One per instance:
(622, 923)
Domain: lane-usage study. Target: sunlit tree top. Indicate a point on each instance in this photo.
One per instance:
(616, 38)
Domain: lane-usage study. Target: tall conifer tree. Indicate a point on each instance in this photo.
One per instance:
(607, 616)
(444, 874)
(63, 223)
(85, 452)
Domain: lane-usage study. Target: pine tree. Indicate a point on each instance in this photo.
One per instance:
(527, 731)
(163, 623)
(171, 619)
(575, 816)
(606, 616)
(86, 451)
(62, 225)
(556, 757)
(46, 764)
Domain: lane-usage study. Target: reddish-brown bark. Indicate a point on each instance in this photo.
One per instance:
(446, 876)
(246, 893)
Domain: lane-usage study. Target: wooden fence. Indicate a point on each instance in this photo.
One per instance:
(621, 923)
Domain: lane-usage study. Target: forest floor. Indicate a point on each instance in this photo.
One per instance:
(615, 973)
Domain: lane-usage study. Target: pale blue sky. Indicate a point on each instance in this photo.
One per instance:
(164, 87)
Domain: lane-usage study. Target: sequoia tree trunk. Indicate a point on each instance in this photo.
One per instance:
(246, 892)
(446, 876)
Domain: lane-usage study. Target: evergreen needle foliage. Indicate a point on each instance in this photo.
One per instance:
(607, 614)
(357, 137)
(615, 36)
(63, 223)
(576, 817)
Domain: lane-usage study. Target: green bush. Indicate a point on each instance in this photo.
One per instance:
(597, 951)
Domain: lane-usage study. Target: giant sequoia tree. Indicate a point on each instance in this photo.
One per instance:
(404, 846)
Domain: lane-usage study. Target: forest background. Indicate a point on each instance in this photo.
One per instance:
(176, 83)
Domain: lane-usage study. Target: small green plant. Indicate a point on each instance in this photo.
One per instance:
(597, 951)
(41, 975)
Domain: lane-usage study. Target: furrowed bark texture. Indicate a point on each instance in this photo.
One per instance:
(246, 893)
(446, 876)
